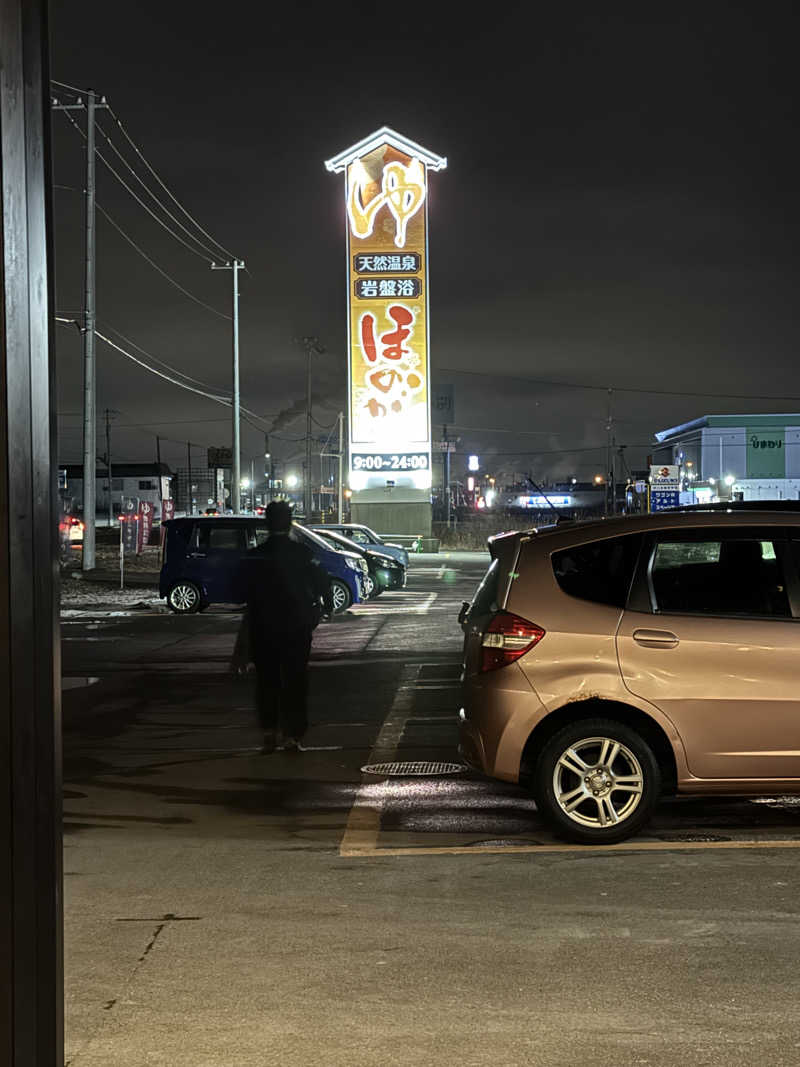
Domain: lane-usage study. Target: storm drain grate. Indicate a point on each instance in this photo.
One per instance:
(418, 769)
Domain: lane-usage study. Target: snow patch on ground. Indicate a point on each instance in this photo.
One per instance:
(78, 597)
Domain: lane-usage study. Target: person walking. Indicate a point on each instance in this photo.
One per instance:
(287, 592)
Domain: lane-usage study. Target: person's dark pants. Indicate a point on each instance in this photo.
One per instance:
(281, 664)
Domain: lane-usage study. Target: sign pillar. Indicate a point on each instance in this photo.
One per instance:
(389, 418)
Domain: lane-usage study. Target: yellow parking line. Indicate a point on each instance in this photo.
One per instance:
(348, 847)
(364, 822)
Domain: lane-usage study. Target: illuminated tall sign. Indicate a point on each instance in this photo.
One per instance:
(386, 186)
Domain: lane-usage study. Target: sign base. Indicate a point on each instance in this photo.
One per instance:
(394, 511)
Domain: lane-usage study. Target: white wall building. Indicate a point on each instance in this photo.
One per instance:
(129, 481)
(735, 457)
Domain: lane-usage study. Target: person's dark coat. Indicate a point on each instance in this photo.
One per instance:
(286, 589)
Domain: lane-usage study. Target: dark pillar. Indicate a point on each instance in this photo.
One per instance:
(31, 969)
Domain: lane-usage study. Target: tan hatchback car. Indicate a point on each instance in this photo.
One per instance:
(607, 663)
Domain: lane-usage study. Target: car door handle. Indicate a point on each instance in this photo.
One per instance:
(656, 638)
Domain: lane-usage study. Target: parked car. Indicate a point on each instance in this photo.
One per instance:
(366, 537)
(71, 529)
(608, 663)
(347, 570)
(385, 572)
(201, 562)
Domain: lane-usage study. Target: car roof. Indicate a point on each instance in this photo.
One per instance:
(666, 519)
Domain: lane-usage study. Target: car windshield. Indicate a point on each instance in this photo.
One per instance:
(340, 542)
(312, 536)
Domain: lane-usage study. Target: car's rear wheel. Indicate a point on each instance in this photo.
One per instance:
(596, 781)
(184, 598)
(341, 595)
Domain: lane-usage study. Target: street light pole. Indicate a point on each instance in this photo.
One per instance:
(235, 265)
(311, 345)
(340, 501)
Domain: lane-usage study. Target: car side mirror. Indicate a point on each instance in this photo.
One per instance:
(462, 615)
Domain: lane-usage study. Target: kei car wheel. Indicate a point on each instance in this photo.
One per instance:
(184, 598)
(596, 782)
(341, 596)
(370, 586)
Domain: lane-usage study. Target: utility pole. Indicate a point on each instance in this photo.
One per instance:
(108, 470)
(88, 554)
(311, 345)
(267, 471)
(89, 370)
(446, 474)
(189, 499)
(609, 474)
(235, 265)
(340, 500)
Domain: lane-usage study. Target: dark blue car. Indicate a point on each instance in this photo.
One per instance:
(201, 562)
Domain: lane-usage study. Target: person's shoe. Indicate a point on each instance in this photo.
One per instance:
(270, 742)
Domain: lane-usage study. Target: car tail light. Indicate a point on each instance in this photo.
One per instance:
(507, 637)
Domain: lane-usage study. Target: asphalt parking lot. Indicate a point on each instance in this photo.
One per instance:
(224, 907)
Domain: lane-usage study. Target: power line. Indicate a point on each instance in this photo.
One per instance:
(136, 197)
(166, 377)
(150, 193)
(153, 370)
(155, 359)
(160, 270)
(618, 388)
(71, 88)
(144, 255)
(183, 385)
(174, 199)
(217, 246)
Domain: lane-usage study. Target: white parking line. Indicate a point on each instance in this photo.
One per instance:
(421, 608)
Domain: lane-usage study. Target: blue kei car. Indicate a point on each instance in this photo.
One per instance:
(201, 562)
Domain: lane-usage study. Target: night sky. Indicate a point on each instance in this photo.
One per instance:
(619, 209)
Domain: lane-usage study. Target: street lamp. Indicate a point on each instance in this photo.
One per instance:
(292, 481)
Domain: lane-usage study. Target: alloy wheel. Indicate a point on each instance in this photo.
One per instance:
(184, 598)
(340, 598)
(598, 782)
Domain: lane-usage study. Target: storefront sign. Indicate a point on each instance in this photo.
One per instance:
(665, 486)
(386, 185)
(766, 454)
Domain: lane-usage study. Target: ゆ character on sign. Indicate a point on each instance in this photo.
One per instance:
(402, 191)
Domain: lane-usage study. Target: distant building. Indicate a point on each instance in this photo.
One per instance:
(735, 457)
(134, 481)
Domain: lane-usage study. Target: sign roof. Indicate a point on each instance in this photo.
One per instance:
(383, 136)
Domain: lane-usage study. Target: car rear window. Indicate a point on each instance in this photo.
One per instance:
(485, 600)
(600, 571)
